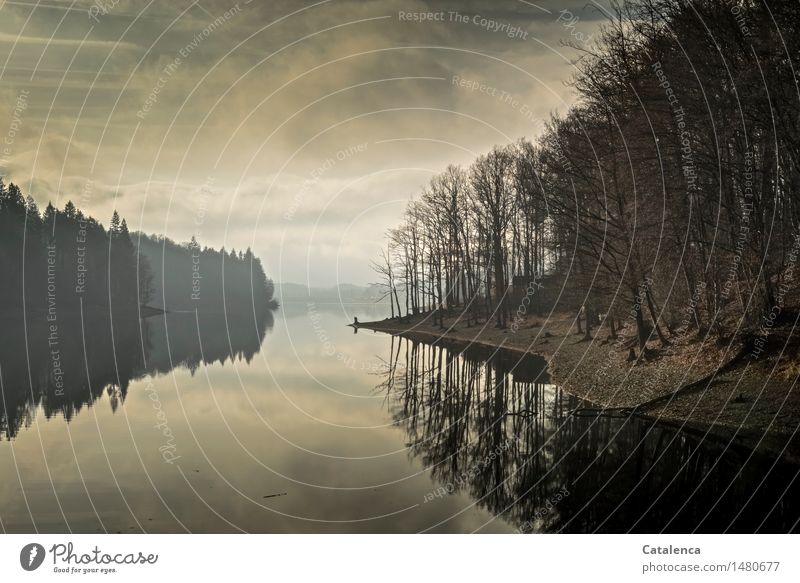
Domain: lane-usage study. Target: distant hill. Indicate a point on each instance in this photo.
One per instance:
(344, 292)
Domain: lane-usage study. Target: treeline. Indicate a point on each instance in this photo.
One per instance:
(666, 196)
(61, 259)
(188, 277)
(57, 258)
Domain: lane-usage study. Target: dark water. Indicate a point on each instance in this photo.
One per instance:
(491, 424)
(292, 423)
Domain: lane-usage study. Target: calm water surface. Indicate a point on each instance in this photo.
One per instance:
(296, 424)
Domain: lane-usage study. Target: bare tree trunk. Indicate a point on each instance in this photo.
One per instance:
(654, 316)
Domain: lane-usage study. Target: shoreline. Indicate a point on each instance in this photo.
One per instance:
(693, 384)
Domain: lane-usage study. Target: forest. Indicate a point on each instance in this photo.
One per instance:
(665, 199)
(60, 261)
(189, 277)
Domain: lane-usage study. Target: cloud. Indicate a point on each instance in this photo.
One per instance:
(268, 98)
(6, 38)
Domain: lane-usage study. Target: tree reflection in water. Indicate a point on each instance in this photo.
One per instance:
(491, 424)
(98, 353)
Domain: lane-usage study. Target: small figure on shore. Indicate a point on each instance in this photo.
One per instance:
(355, 321)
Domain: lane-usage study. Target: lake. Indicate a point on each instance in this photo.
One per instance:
(294, 423)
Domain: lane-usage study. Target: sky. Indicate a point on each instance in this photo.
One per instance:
(300, 129)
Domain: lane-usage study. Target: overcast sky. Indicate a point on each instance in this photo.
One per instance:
(300, 129)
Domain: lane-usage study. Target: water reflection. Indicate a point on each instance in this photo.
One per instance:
(304, 418)
(60, 366)
(296, 419)
(490, 424)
